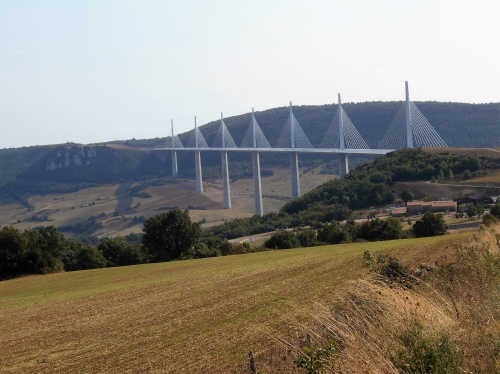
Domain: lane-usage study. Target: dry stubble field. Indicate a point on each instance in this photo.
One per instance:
(196, 316)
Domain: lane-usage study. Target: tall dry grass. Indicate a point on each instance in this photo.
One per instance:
(455, 305)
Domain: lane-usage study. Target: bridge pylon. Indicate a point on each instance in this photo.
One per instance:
(175, 143)
(342, 134)
(293, 137)
(410, 128)
(225, 136)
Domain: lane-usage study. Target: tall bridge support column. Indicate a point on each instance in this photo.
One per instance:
(294, 168)
(199, 180)
(225, 181)
(175, 171)
(409, 130)
(343, 165)
(257, 186)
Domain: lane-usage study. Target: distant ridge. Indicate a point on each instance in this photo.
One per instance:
(459, 124)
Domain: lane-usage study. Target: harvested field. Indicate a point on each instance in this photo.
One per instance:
(180, 317)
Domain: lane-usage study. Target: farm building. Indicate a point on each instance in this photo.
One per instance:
(478, 198)
(398, 212)
(419, 207)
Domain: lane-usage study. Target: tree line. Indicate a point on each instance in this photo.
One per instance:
(373, 230)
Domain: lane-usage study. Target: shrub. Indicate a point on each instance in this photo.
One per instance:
(489, 219)
(430, 225)
(394, 271)
(282, 240)
(421, 351)
(226, 248)
(334, 234)
(319, 359)
(307, 238)
(495, 210)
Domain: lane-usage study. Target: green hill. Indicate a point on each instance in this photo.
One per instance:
(70, 166)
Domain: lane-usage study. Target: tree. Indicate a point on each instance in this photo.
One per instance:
(471, 211)
(118, 252)
(282, 240)
(466, 174)
(450, 173)
(334, 234)
(11, 252)
(479, 210)
(168, 235)
(226, 248)
(430, 225)
(406, 195)
(495, 210)
(378, 229)
(307, 238)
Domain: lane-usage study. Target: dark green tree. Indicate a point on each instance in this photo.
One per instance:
(471, 211)
(168, 235)
(406, 195)
(430, 225)
(226, 248)
(334, 234)
(282, 240)
(118, 252)
(11, 252)
(378, 229)
(495, 210)
(307, 238)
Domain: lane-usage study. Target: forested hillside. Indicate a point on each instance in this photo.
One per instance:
(459, 124)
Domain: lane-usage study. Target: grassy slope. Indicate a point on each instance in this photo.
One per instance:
(190, 316)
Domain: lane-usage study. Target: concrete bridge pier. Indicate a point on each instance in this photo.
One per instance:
(257, 186)
(343, 165)
(175, 170)
(294, 168)
(197, 163)
(225, 181)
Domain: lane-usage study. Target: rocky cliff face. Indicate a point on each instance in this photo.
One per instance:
(76, 156)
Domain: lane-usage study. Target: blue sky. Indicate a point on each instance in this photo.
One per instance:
(93, 71)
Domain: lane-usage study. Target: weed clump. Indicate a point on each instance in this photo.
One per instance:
(318, 359)
(422, 351)
(390, 269)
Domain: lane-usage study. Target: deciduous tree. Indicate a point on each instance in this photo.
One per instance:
(168, 235)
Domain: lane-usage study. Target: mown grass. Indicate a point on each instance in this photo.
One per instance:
(189, 316)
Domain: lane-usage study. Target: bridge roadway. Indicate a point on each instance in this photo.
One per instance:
(287, 150)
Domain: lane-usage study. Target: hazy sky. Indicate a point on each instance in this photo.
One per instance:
(91, 71)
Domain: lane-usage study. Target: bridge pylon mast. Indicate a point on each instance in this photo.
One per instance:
(257, 185)
(175, 171)
(343, 157)
(197, 161)
(226, 192)
(409, 132)
(294, 159)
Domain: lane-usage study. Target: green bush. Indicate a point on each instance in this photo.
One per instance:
(282, 240)
(430, 225)
(421, 351)
(319, 360)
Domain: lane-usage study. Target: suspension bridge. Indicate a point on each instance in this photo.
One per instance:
(408, 129)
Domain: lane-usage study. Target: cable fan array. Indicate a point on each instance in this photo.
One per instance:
(422, 131)
(424, 135)
(352, 137)
(285, 139)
